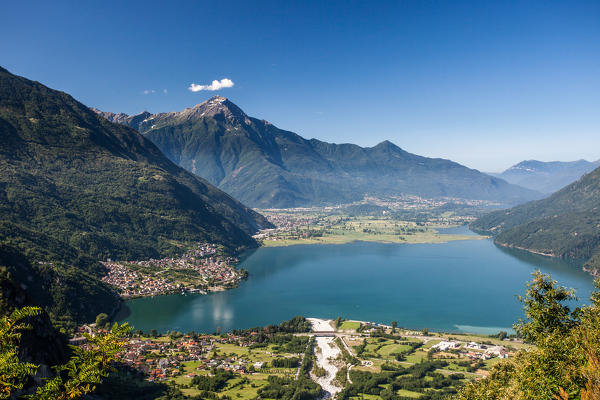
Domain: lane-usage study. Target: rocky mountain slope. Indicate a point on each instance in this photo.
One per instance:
(264, 166)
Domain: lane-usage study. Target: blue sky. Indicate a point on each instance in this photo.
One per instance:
(484, 83)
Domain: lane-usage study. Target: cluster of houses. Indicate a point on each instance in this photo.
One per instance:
(472, 350)
(290, 220)
(160, 360)
(150, 278)
(285, 222)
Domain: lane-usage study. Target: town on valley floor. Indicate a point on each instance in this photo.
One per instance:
(397, 219)
(326, 358)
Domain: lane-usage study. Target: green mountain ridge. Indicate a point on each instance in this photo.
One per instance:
(265, 166)
(566, 224)
(76, 188)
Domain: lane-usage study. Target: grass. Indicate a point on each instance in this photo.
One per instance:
(408, 393)
(381, 238)
(335, 230)
(416, 357)
(430, 344)
(349, 325)
(389, 349)
(235, 388)
(366, 397)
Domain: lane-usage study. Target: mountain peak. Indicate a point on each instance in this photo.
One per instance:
(386, 144)
(215, 106)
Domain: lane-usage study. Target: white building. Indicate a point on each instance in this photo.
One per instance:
(443, 346)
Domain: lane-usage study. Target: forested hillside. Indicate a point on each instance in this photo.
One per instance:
(566, 224)
(75, 189)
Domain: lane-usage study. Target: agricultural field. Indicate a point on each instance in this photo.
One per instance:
(310, 228)
(416, 364)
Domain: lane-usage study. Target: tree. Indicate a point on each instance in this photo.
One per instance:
(153, 333)
(13, 372)
(79, 376)
(338, 322)
(394, 325)
(87, 367)
(101, 320)
(565, 364)
(545, 309)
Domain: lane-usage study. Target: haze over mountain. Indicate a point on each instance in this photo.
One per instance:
(76, 188)
(264, 166)
(562, 225)
(546, 177)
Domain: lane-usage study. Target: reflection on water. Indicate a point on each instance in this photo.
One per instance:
(548, 264)
(439, 286)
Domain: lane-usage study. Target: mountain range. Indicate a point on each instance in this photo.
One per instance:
(76, 188)
(264, 166)
(546, 177)
(566, 224)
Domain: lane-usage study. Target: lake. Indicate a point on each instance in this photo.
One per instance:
(467, 286)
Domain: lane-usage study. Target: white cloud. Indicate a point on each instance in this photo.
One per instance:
(215, 85)
(147, 91)
(165, 91)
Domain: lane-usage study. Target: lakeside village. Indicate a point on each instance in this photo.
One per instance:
(246, 359)
(199, 270)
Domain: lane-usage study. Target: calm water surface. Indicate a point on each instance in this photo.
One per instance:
(458, 286)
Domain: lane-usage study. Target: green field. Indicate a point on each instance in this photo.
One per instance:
(341, 238)
(408, 393)
(349, 326)
(321, 228)
(237, 388)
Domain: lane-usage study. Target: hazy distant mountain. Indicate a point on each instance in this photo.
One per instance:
(264, 166)
(547, 177)
(75, 188)
(566, 224)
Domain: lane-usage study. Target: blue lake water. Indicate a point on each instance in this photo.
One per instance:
(466, 286)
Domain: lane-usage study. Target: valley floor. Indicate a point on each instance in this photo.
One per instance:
(347, 355)
(295, 227)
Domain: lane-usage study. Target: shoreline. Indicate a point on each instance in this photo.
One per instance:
(325, 322)
(286, 243)
(594, 272)
(510, 246)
